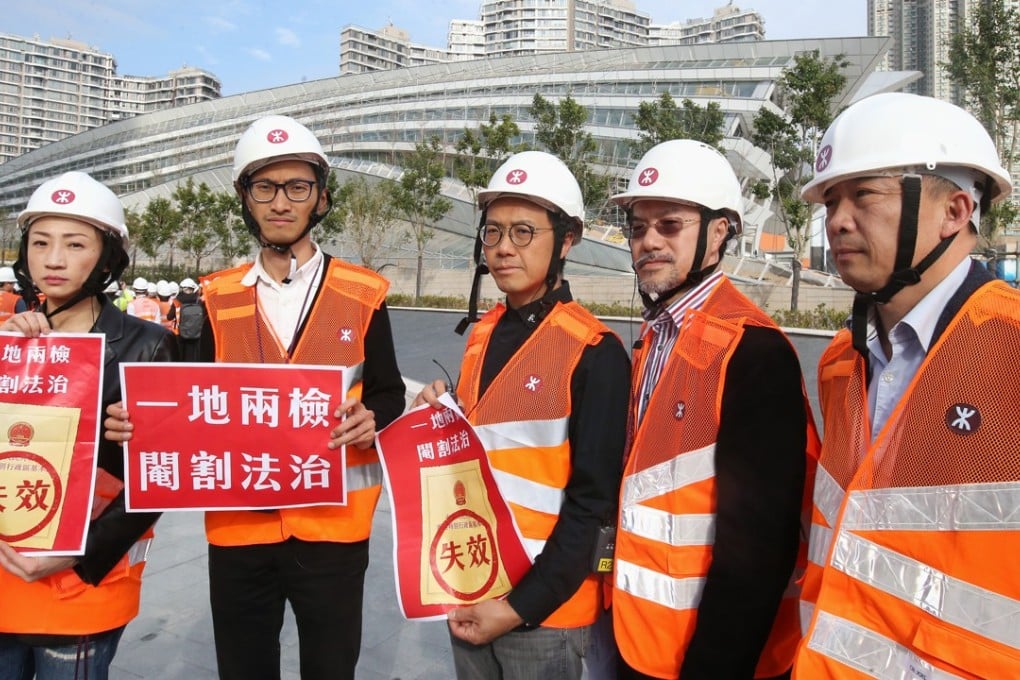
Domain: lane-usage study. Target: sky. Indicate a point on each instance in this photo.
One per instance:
(256, 44)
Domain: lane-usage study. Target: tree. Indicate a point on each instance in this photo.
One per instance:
(199, 210)
(984, 62)
(10, 236)
(417, 195)
(559, 129)
(367, 216)
(481, 152)
(332, 225)
(230, 232)
(660, 121)
(155, 226)
(805, 91)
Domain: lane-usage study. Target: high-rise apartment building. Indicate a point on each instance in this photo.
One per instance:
(509, 28)
(53, 89)
(727, 24)
(921, 32)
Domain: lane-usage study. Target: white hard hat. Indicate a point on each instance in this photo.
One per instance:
(174, 288)
(76, 194)
(540, 177)
(162, 289)
(901, 133)
(189, 283)
(112, 287)
(151, 289)
(272, 139)
(7, 275)
(686, 171)
(140, 284)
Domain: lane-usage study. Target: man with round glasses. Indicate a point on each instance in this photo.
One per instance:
(713, 490)
(297, 304)
(540, 369)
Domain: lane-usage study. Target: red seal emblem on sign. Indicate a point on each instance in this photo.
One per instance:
(463, 557)
(20, 434)
(33, 503)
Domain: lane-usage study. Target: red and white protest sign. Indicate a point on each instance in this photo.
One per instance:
(50, 391)
(454, 539)
(232, 436)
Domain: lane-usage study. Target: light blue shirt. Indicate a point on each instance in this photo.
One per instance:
(910, 340)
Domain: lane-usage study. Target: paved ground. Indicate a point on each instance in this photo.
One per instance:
(172, 637)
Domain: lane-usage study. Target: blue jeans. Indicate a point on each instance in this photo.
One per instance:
(89, 658)
(538, 654)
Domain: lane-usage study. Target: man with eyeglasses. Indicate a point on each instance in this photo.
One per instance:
(721, 443)
(297, 304)
(545, 384)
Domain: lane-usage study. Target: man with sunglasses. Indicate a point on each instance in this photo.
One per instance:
(297, 304)
(713, 490)
(545, 384)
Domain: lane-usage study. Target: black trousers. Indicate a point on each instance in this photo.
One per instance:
(324, 583)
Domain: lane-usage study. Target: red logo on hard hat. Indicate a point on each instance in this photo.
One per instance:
(62, 196)
(277, 136)
(516, 177)
(824, 158)
(648, 177)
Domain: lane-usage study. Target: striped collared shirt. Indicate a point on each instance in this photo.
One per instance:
(661, 334)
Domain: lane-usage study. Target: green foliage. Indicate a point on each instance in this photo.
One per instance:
(806, 92)
(481, 152)
(984, 62)
(366, 216)
(661, 121)
(417, 195)
(819, 318)
(559, 129)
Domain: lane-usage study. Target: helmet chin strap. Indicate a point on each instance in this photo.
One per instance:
(903, 273)
(695, 276)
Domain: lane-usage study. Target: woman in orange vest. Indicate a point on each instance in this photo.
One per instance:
(913, 571)
(541, 369)
(62, 617)
(709, 539)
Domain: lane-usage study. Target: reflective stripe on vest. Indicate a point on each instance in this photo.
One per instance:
(949, 599)
(961, 507)
(683, 470)
(868, 652)
(648, 584)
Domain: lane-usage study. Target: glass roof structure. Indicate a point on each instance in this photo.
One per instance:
(366, 122)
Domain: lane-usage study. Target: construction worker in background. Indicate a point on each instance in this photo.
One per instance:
(10, 302)
(564, 491)
(296, 304)
(124, 296)
(62, 617)
(143, 306)
(190, 320)
(167, 311)
(915, 531)
(714, 488)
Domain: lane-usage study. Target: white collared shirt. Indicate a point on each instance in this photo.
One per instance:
(910, 340)
(284, 306)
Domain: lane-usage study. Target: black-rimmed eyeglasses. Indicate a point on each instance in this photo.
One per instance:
(296, 190)
(520, 234)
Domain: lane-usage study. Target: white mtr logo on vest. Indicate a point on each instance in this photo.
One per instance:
(963, 419)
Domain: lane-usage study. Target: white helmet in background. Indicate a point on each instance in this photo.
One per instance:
(140, 285)
(152, 289)
(686, 171)
(162, 289)
(895, 133)
(174, 288)
(111, 288)
(539, 177)
(189, 284)
(77, 195)
(7, 275)
(272, 139)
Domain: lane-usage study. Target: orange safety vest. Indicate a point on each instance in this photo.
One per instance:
(668, 498)
(63, 604)
(145, 308)
(522, 420)
(8, 303)
(919, 575)
(164, 310)
(334, 336)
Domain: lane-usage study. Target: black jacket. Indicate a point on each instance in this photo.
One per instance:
(128, 339)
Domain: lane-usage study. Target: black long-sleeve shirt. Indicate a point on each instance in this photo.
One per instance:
(760, 471)
(597, 434)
